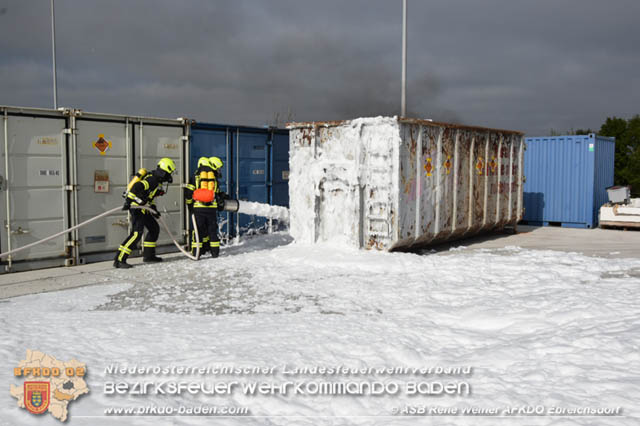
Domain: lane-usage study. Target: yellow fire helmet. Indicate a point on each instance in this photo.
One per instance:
(203, 161)
(167, 165)
(216, 163)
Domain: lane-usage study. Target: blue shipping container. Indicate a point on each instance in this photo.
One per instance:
(566, 179)
(256, 167)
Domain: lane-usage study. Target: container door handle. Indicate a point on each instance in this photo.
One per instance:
(20, 231)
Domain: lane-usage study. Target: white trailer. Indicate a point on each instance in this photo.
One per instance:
(621, 215)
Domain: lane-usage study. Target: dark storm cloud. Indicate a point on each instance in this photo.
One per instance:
(523, 65)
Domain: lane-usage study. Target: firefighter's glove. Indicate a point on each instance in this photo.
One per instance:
(126, 206)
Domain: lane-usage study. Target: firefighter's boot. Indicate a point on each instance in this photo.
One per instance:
(149, 255)
(121, 261)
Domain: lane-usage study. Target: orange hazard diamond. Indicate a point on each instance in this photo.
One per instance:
(102, 144)
(493, 165)
(479, 165)
(447, 164)
(428, 167)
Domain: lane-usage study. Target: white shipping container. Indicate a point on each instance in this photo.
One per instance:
(59, 168)
(395, 183)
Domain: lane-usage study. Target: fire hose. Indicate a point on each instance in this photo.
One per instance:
(112, 211)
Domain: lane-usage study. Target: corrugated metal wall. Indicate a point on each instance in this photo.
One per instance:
(566, 177)
(212, 141)
(61, 167)
(256, 167)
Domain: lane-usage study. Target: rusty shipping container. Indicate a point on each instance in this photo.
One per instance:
(396, 183)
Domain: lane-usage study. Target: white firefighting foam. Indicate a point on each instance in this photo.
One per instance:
(264, 210)
(326, 178)
(538, 327)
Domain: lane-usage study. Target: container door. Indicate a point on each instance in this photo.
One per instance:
(338, 205)
(153, 143)
(575, 200)
(559, 172)
(207, 142)
(252, 156)
(33, 187)
(102, 178)
(280, 170)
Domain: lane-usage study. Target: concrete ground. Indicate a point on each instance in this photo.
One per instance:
(591, 242)
(61, 278)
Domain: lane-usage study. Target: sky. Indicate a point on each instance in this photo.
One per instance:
(533, 66)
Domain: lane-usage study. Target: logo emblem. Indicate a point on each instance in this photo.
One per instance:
(47, 384)
(102, 144)
(36, 396)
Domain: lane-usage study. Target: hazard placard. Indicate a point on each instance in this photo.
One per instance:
(102, 144)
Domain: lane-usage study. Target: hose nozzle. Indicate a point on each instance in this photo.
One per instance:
(231, 206)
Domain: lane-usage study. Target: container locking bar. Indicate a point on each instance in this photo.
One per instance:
(20, 231)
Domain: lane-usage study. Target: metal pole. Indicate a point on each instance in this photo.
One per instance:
(76, 185)
(228, 181)
(127, 150)
(53, 49)
(6, 183)
(184, 220)
(141, 158)
(186, 176)
(237, 239)
(403, 109)
(130, 161)
(66, 199)
(141, 144)
(269, 176)
(419, 160)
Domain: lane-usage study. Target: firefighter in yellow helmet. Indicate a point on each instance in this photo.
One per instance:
(216, 164)
(221, 197)
(205, 207)
(143, 193)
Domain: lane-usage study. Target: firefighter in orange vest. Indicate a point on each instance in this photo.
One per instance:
(142, 193)
(201, 195)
